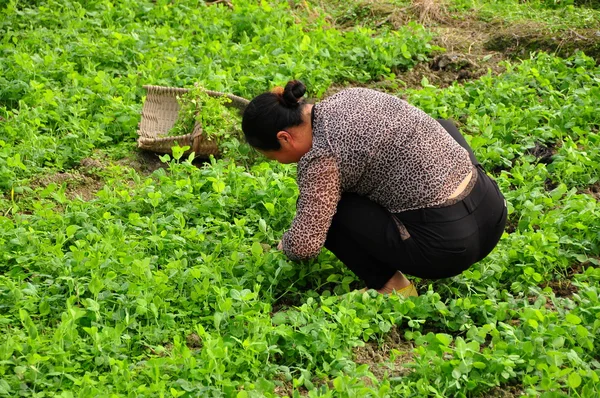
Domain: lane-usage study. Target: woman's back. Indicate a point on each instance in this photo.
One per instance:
(386, 149)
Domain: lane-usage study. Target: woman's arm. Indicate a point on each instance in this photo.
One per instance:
(320, 190)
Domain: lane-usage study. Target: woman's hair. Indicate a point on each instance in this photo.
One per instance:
(271, 112)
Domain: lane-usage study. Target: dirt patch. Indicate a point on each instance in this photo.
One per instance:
(465, 58)
(160, 351)
(379, 358)
(562, 288)
(378, 13)
(549, 305)
(285, 388)
(147, 162)
(542, 152)
(593, 190)
(519, 40)
(444, 70)
(478, 46)
(89, 164)
(464, 42)
(550, 185)
(144, 162)
(504, 392)
(193, 341)
(78, 185)
(512, 223)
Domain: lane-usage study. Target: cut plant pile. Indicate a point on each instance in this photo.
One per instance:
(169, 283)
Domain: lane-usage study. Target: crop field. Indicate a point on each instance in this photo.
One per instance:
(123, 274)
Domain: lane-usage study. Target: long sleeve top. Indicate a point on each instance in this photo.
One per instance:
(375, 145)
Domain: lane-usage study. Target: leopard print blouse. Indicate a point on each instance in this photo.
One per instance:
(376, 145)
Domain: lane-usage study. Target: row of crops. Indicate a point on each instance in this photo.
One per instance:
(170, 285)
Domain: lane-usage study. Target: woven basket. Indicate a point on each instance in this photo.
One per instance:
(159, 114)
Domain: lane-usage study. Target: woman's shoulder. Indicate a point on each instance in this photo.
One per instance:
(354, 92)
(358, 97)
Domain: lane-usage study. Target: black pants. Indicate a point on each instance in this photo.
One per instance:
(443, 241)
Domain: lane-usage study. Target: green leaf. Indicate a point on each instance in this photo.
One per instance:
(444, 338)
(95, 285)
(256, 249)
(479, 365)
(405, 53)
(279, 318)
(92, 305)
(338, 384)
(574, 380)
(572, 318)
(4, 387)
(218, 186)
(44, 307)
(305, 44)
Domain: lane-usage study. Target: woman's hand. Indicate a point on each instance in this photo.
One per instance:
(280, 245)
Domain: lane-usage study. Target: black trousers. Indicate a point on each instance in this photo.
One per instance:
(443, 241)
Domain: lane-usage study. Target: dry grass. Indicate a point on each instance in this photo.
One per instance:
(430, 11)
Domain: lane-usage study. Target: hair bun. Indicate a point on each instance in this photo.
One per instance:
(293, 91)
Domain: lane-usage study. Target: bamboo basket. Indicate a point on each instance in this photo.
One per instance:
(159, 113)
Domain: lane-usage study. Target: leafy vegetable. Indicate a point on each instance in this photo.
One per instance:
(169, 283)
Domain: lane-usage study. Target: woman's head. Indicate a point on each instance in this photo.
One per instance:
(270, 120)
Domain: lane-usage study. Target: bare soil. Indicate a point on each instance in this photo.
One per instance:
(473, 47)
(504, 392)
(542, 152)
(78, 184)
(378, 357)
(144, 162)
(564, 287)
(593, 190)
(519, 40)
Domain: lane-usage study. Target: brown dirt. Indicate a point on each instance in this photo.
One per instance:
(466, 58)
(144, 162)
(147, 162)
(564, 287)
(468, 38)
(593, 190)
(550, 185)
(473, 47)
(78, 184)
(285, 388)
(511, 225)
(193, 341)
(518, 40)
(549, 305)
(503, 392)
(379, 357)
(542, 152)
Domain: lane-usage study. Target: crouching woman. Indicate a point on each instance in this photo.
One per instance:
(385, 187)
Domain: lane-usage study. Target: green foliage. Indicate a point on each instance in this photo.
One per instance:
(71, 73)
(539, 101)
(170, 284)
(218, 122)
(554, 14)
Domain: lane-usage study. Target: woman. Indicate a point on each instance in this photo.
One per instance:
(385, 187)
